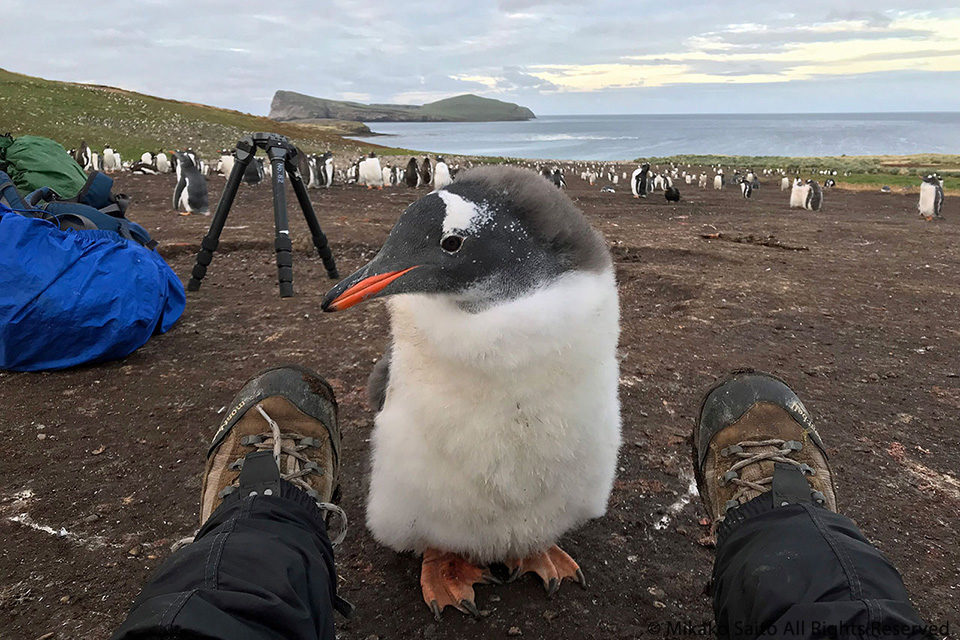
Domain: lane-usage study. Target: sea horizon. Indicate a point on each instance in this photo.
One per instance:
(610, 137)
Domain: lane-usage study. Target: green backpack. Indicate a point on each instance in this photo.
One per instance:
(34, 162)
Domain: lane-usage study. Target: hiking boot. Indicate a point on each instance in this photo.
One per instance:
(754, 436)
(282, 424)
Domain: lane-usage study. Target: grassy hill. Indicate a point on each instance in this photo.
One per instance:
(293, 106)
(133, 122)
(473, 108)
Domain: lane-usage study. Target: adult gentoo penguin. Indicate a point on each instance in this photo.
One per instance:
(746, 187)
(441, 174)
(499, 419)
(426, 175)
(638, 181)
(326, 170)
(814, 199)
(931, 197)
(412, 175)
(190, 194)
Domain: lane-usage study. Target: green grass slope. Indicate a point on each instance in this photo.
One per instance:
(133, 122)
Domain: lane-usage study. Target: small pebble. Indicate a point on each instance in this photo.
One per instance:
(91, 518)
(659, 605)
(65, 600)
(494, 598)
(135, 550)
(41, 436)
(514, 631)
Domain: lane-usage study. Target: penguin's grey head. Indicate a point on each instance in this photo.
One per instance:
(490, 236)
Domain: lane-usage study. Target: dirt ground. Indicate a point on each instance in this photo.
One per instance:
(101, 464)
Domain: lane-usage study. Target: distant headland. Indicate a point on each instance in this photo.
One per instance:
(293, 106)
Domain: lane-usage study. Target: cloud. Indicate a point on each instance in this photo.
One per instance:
(549, 55)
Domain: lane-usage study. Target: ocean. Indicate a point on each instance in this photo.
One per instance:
(631, 136)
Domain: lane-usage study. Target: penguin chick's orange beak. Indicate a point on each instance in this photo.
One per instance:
(364, 289)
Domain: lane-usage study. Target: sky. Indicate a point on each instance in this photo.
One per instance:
(559, 57)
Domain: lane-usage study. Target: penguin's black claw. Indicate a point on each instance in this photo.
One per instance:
(582, 580)
(471, 608)
(552, 587)
(489, 578)
(435, 608)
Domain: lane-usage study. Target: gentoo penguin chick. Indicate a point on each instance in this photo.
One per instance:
(370, 172)
(412, 174)
(931, 197)
(784, 183)
(499, 419)
(110, 160)
(146, 158)
(190, 194)
(441, 174)
(672, 194)
(227, 160)
(799, 193)
(162, 162)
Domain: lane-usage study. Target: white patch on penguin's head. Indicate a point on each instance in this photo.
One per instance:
(462, 214)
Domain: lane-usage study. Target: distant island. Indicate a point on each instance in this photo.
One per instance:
(292, 106)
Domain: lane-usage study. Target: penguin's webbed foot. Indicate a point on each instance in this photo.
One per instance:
(447, 579)
(552, 565)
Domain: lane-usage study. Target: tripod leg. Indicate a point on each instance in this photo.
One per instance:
(281, 241)
(319, 238)
(211, 241)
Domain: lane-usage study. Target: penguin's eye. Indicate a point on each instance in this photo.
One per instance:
(451, 243)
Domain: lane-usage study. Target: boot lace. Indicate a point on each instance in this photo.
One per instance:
(303, 466)
(773, 450)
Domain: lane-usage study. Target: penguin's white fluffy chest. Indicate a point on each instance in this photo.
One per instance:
(500, 429)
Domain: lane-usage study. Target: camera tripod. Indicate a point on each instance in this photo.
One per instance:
(283, 157)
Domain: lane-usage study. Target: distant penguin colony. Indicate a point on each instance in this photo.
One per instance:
(190, 194)
(931, 197)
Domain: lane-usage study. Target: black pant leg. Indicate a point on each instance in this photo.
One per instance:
(801, 571)
(260, 568)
